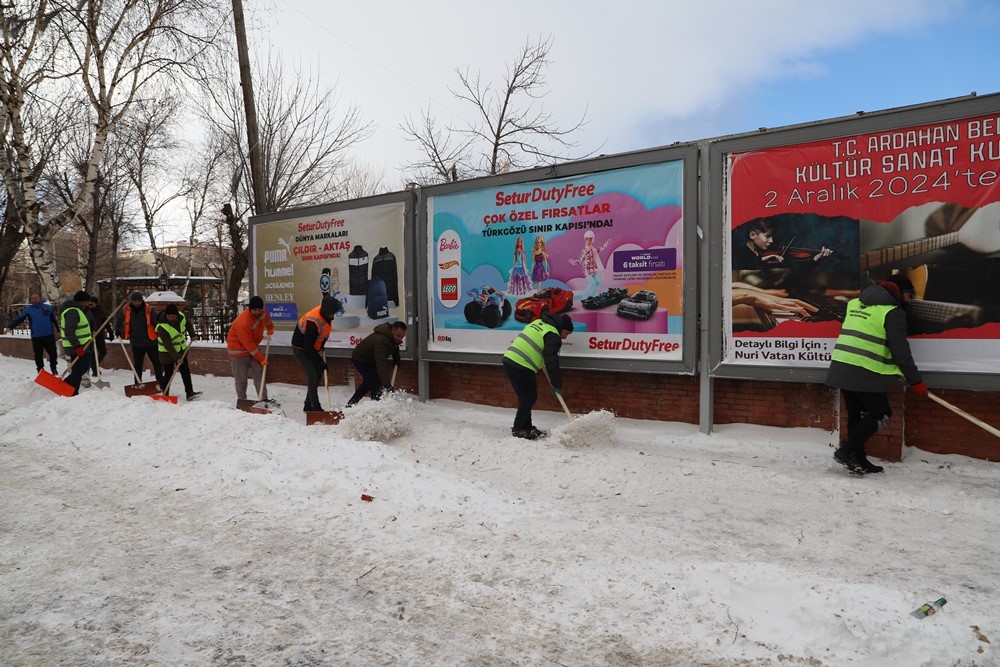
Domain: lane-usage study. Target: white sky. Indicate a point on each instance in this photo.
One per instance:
(646, 73)
(142, 533)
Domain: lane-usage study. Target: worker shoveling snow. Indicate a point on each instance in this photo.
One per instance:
(590, 430)
(380, 420)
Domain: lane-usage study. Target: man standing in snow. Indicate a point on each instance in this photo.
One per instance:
(537, 346)
(308, 341)
(76, 332)
(138, 325)
(42, 320)
(171, 339)
(871, 352)
(371, 358)
(243, 346)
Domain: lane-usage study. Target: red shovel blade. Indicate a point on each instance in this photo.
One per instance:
(142, 389)
(165, 399)
(322, 417)
(54, 384)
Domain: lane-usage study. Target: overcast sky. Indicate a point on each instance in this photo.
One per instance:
(646, 73)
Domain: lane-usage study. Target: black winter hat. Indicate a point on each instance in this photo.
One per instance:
(567, 324)
(135, 295)
(171, 310)
(94, 299)
(900, 281)
(81, 297)
(329, 307)
(256, 302)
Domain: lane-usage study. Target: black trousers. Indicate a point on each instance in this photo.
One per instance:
(138, 354)
(525, 384)
(312, 380)
(370, 382)
(867, 412)
(44, 344)
(79, 369)
(185, 373)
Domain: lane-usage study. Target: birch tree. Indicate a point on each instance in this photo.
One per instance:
(112, 50)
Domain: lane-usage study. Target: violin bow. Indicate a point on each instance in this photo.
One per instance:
(787, 246)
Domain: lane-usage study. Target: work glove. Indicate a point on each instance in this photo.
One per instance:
(920, 388)
(263, 362)
(556, 392)
(81, 351)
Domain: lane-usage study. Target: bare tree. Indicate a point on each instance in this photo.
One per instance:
(150, 144)
(112, 50)
(305, 139)
(511, 130)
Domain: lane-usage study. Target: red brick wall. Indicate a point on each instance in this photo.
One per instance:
(916, 421)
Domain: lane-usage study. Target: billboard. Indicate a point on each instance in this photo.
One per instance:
(809, 225)
(606, 248)
(356, 255)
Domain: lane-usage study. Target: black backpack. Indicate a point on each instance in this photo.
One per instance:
(357, 271)
(384, 266)
(377, 301)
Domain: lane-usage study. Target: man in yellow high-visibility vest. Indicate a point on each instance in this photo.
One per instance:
(537, 346)
(870, 354)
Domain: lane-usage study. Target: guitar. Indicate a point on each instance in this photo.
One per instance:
(980, 233)
(933, 316)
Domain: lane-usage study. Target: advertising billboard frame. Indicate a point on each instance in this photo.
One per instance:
(407, 199)
(719, 151)
(686, 154)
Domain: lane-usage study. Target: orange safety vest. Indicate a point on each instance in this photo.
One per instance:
(321, 325)
(150, 325)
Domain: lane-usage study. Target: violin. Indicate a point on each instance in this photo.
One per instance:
(799, 254)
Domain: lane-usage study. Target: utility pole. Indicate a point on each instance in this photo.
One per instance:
(250, 109)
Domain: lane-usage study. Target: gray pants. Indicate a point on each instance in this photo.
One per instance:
(244, 367)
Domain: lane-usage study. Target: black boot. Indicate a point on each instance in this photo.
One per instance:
(867, 466)
(847, 458)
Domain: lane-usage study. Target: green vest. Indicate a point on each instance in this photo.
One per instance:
(83, 331)
(526, 350)
(176, 336)
(862, 339)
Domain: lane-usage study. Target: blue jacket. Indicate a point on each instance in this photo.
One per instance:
(42, 319)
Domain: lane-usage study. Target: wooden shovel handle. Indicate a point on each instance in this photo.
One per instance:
(962, 413)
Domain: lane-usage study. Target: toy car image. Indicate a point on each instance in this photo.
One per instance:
(487, 307)
(608, 298)
(639, 306)
(548, 300)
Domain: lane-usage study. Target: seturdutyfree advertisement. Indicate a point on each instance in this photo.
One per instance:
(604, 248)
(353, 255)
(812, 224)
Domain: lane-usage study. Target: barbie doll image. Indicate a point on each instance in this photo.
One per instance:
(540, 257)
(519, 282)
(590, 260)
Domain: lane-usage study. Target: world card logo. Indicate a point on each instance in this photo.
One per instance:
(449, 289)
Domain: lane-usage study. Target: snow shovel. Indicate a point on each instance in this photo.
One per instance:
(165, 396)
(962, 413)
(260, 406)
(331, 417)
(569, 417)
(99, 382)
(139, 388)
(58, 385)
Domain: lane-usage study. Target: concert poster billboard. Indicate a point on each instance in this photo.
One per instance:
(356, 255)
(811, 224)
(605, 247)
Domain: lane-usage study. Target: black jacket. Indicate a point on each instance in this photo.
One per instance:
(856, 378)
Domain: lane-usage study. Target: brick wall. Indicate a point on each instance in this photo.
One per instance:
(916, 421)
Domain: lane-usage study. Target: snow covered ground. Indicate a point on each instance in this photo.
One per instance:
(134, 532)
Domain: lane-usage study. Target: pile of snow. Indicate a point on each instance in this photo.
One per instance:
(143, 533)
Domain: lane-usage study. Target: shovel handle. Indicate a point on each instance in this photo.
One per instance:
(166, 389)
(263, 373)
(569, 417)
(962, 413)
